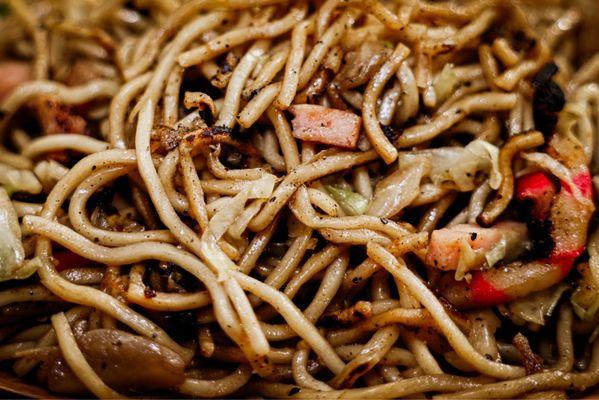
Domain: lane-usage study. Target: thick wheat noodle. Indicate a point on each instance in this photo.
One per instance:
(239, 234)
(24, 365)
(234, 38)
(403, 388)
(40, 38)
(301, 375)
(15, 160)
(171, 96)
(82, 224)
(371, 123)
(565, 345)
(166, 172)
(127, 255)
(458, 111)
(168, 60)
(217, 387)
(305, 173)
(303, 210)
(26, 293)
(315, 264)
(431, 217)
(186, 235)
(228, 112)
(180, 17)
(408, 243)
(68, 95)
(193, 188)
(354, 236)
(586, 72)
(474, 87)
(294, 317)
(323, 201)
(118, 109)
(455, 337)
(488, 65)
(23, 208)
(330, 284)
(290, 260)
(258, 105)
(162, 301)
(269, 71)
(80, 143)
(286, 140)
(504, 51)
(76, 360)
(395, 356)
(238, 227)
(369, 356)
(294, 63)
(505, 192)
(550, 380)
(331, 38)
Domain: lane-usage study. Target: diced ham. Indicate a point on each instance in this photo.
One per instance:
(12, 74)
(325, 125)
(56, 117)
(444, 246)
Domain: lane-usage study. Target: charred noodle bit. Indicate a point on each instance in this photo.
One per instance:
(305, 199)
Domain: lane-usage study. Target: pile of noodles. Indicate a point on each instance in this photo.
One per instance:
(186, 243)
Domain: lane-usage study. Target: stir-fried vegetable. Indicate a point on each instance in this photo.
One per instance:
(534, 308)
(19, 180)
(399, 189)
(459, 165)
(351, 202)
(12, 254)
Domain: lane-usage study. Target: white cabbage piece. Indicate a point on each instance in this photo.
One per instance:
(399, 189)
(12, 254)
(536, 307)
(460, 164)
(19, 180)
(351, 202)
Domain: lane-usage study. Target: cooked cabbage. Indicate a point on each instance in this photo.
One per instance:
(18, 180)
(351, 202)
(399, 189)
(12, 254)
(460, 164)
(535, 307)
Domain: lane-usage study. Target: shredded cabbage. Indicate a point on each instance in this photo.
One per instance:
(398, 190)
(18, 180)
(446, 82)
(460, 164)
(12, 254)
(535, 307)
(351, 202)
